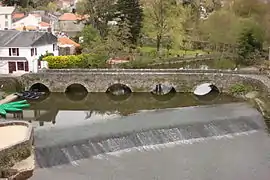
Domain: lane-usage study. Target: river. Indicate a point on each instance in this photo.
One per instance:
(143, 136)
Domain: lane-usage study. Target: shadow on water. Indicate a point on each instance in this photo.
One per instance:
(76, 92)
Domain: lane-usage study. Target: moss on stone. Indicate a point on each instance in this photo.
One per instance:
(9, 157)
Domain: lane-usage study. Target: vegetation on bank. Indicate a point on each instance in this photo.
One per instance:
(76, 61)
(240, 89)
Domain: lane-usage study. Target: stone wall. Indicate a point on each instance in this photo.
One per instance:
(137, 80)
(13, 154)
(10, 84)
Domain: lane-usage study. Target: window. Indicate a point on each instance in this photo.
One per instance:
(54, 47)
(20, 66)
(33, 51)
(13, 51)
(6, 16)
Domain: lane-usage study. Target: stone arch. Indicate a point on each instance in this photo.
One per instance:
(76, 92)
(119, 89)
(163, 89)
(39, 87)
(214, 88)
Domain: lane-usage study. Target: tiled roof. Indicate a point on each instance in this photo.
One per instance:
(44, 24)
(18, 15)
(70, 17)
(67, 41)
(13, 38)
(36, 15)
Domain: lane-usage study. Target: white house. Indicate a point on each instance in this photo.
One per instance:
(30, 22)
(5, 17)
(20, 50)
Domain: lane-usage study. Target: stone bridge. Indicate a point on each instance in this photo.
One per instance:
(142, 80)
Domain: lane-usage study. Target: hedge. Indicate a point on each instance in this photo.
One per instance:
(76, 61)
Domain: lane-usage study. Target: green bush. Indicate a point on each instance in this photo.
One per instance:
(240, 88)
(76, 61)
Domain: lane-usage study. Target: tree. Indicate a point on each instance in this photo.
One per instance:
(250, 43)
(22, 3)
(52, 7)
(99, 11)
(164, 18)
(131, 10)
(91, 37)
(221, 27)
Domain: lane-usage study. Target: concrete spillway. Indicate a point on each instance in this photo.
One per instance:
(67, 144)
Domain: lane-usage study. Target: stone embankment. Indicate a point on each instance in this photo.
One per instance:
(16, 150)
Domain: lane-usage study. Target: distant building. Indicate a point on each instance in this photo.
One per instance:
(20, 50)
(6, 17)
(30, 22)
(67, 46)
(70, 24)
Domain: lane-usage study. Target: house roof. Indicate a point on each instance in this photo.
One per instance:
(67, 41)
(36, 15)
(70, 17)
(10, 58)
(44, 24)
(14, 38)
(18, 15)
(7, 9)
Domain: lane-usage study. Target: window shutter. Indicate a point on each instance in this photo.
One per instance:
(9, 51)
(26, 66)
(18, 52)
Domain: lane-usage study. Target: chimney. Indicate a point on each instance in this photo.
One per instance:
(49, 29)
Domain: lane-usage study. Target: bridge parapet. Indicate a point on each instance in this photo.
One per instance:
(229, 71)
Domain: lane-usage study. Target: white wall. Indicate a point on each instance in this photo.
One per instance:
(3, 21)
(29, 20)
(4, 67)
(26, 52)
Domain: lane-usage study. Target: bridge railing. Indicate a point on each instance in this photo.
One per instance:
(76, 71)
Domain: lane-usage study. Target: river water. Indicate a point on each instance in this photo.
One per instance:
(142, 136)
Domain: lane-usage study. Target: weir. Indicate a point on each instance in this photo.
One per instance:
(61, 145)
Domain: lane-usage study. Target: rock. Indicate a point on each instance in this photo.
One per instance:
(252, 95)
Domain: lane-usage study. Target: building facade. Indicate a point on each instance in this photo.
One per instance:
(6, 17)
(20, 50)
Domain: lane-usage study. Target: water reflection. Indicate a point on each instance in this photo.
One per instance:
(165, 97)
(57, 109)
(121, 97)
(209, 98)
(76, 96)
